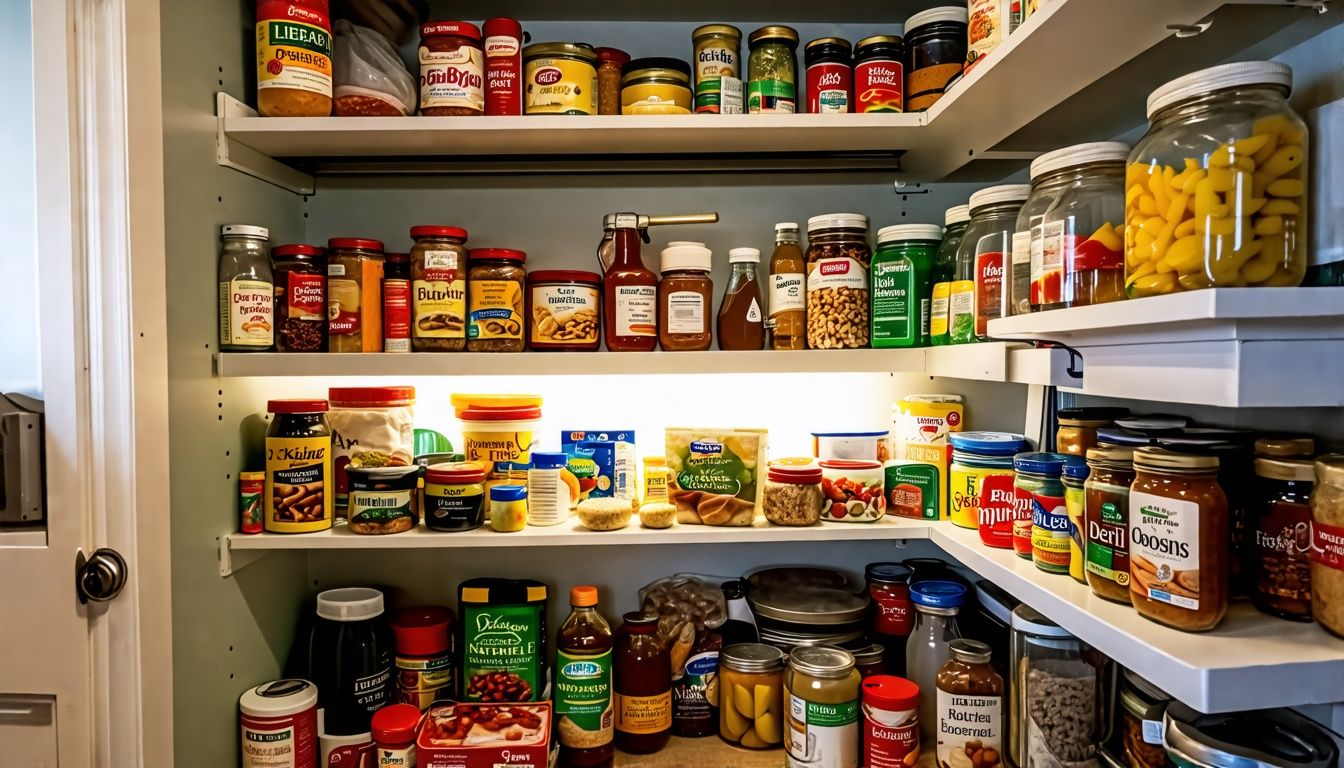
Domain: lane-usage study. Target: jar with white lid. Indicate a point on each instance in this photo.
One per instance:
(1057, 712)
(980, 292)
(901, 289)
(955, 221)
(1215, 191)
(837, 281)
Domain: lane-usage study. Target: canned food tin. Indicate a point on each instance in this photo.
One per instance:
(561, 79)
(981, 492)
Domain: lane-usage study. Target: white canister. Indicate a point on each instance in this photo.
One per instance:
(279, 725)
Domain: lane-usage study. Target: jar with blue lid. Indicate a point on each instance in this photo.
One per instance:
(937, 604)
(1038, 478)
(1073, 476)
(981, 477)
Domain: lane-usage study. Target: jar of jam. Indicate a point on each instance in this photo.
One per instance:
(452, 69)
(830, 76)
(892, 618)
(1106, 521)
(1281, 537)
(685, 298)
(300, 297)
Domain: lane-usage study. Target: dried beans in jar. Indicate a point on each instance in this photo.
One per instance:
(837, 281)
(300, 297)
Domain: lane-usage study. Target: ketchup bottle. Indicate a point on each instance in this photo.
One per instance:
(630, 293)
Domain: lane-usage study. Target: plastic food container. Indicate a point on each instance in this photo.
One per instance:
(498, 428)
(279, 715)
(1050, 664)
(1215, 192)
(656, 86)
(955, 221)
(863, 446)
(561, 79)
(853, 491)
(935, 44)
(793, 495)
(370, 427)
(902, 268)
(1277, 737)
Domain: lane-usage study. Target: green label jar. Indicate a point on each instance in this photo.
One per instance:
(901, 290)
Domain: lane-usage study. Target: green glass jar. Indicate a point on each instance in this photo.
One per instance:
(900, 292)
(955, 221)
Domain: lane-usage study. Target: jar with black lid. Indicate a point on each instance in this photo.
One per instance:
(879, 74)
(300, 297)
(935, 42)
(830, 76)
(298, 494)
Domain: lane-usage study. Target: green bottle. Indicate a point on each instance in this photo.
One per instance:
(955, 221)
(901, 288)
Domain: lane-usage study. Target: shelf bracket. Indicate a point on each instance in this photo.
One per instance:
(1075, 368)
(231, 154)
(231, 561)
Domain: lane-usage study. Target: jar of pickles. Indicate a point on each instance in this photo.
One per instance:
(751, 695)
(822, 707)
(1215, 192)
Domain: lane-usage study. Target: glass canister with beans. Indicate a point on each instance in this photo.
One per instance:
(496, 283)
(838, 257)
(300, 297)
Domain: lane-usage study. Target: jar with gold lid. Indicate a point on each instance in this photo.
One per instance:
(1078, 427)
(751, 695)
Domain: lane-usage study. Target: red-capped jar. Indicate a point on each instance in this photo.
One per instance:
(279, 717)
(452, 69)
(503, 66)
(397, 302)
(564, 310)
(892, 616)
(300, 272)
(393, 729)
(454, 499)
(879, 74)
(424, 660)
(890, 721)
(830, 76)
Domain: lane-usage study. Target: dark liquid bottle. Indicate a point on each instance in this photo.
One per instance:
(741, 624)
(693, 712)
(583, 684)
(643, 686)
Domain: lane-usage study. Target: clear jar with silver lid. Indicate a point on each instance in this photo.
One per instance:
(751, 695)
(1057, 713)
(822, 707)
(246, 290)
(838, 257)
(980, 293)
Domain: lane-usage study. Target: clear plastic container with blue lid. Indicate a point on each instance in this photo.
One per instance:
(937, 604)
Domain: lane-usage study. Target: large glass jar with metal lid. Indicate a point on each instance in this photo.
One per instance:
(838, 257)
(1044, 193)
(937, 604)
(772, 70)
(982, 258)
(717, 55)
(438, 289)
(1059, 705)
(1106, 521)
(561, 79)
(354, 295)
(1234, 449)
(822, 708)
(1138, 738)
(1281, 538)
(970, 708)
(829, 82)
(1215, 191)
(751, 695)
(1077, 430)
(955, 221)
(246, 290)
(300, 297)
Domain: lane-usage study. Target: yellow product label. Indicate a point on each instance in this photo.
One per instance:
(494, 311)
(246, 313)
(557, 86)
(655, 99)
(297, 473)
(655, 485)
(644, 714)
(965, 490)
(1073, 506)
(919, 433)
(938, 309)
(439, 299)
(490, 447)
(293, 49)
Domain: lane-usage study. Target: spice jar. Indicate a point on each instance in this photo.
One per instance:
(393, 730)
(935, 44)
(503, 66)
(1058, 711)
(741, 320)
(452, 69)
(1281, 537)
(561, 79)
(656, 86)
(1036, 479)
(246, 290)
(970, 707)
(837, 281)
(300, 298)
(1077, 430)
(495, 290)
(564, 310)
(1229, 148)
(890, 721)
(1106, 521)
(685, 298)
(251, 493)
(354, 295)
(439, 289)
(425, 667)
(983, 258)
(1073, 478)
(822, 706)
(1142, 707)
(298, 467)
(1327, 544)
(397, 302)
(955, 221)
(901, 289)
(788, 279)
(879, 74)
(891, 615)
(610, 64)
(751, 695)
(772, 70)
(717, 57)
(293, 58)
(454, 497)
(793, 495)
(980, 490)
(830, 76)
(1178, 549)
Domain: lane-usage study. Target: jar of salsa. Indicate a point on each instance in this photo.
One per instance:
(642, 686)
(1281, 536)
(1106, 521)
(892, 618)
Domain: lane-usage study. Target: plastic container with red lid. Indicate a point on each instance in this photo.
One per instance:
(890, 720)
(793, 494)
(425, 653)
(452, 28)
(498, 428)
(370, 397)
(434, 230)
(355, 244)
(394, 730)
(564, 310)
(297, 249)
(455, 472)
(371, 427)
(454, 499)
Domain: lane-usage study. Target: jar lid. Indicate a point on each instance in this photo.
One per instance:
(1267, 738)
(899, 232)
(875, 434)
(1301, 447)
(1123, 437)
(809, 597)
(850, 464)
(1033, 622)
(988, 443)
(502, 25)
(876, 41)
(752, 657)
(1219, 78)
(868, 654)
(508, 493)
(774, 32)
(370, 397)
(455, 473)
(837, 221)
(692, 256)
(1003, 193)
(549, 460)
(395, 724)
(935, 593)
(576, 50)
(423, 631)
(296, 249)
(1145, 688)
(350, 604)
(887, 573)
(251, 475)
(1154, 424)
(355, 244)
(500, 254)
(244, 230)
(1330, 469)
(957, 13)
(639, 620)
(794, 475)
(1081, 416)
(969, 651)
(1039, 463)
(1079, 154)
(813, 47)
(614, 55)
(278, 698)
(716, 29)
(1075, 468)
(481, 413)
(1152, 457)
(786, 226)
(821, 661)
(563, 276)
(462, 401)
(744, 256)
(296, 406)
(1297, 471)
(890, 692)
(663, 66)
(1111, 458)
(432, 230)
(996, 602)
(461, 28)
(956, 215)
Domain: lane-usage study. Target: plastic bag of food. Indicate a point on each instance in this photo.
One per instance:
(684, 601)
(369, 78)
(714, 474)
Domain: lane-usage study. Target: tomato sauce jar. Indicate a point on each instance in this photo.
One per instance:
(830, 76)
(879, 74)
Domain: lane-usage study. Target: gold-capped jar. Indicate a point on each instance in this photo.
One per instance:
(772, 70)
(718, 54)
(561, 79)
(656, 86)
(751, 695)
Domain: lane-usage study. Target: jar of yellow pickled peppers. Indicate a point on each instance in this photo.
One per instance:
(1215, 192)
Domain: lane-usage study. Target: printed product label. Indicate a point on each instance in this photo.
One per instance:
(963, 719)
(1164, 548)
(988, 290)
(439, 298)
(454, 506)
(644, 714)
(564, 314)
(771, 96)
(396, 758)
(927, 84)
(561, 87)
(297, 469)
(754, 312)
(583, 697)
(690, 689)
(822, 734)
(396, 315)
(373, 692)
(349, 754)
(878, 86)
(787, 292)
(938, 309)
(380, 507)
(685, 312)
(1020, 271)
(836, 273)
(894, 616)
(420, 681)
(1073, 504)
(251, 498)
(1048, 250)
(306, 296)
(1022, 522)
(712, 64)
(452, 78)
(984, 29)
(1283, 544)
(912, 489)
(997, 510)
(635, 310)
(280, 743)
(961, 312)
(893, 309)
(828, 87)
(887, 744)
(343, 302)
(246, 313)
(503, 70)
(293, 48)
(967, 492)
(1107, 550)
(502, 653)
(495, 310)
(1050, 533)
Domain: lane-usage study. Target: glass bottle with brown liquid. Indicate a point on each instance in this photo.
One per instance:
(788, 294)
(583, 684)
(643, 686)
(630, 293)
(741, 319)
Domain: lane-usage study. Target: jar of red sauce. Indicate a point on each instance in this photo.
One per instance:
(892, 618)
(830, 76)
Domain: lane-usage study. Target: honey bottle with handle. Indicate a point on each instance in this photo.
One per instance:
(630, 291)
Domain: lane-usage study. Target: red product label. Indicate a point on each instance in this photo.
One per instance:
(302, 11)
(1022, 522)
(341, 322)
(396, 315)
(265, 738)
(999, 509)
(1327, 545)
(306, 295)
(837, 267)
(350, 756)
(887, 746)
(503, 74)
(878, 86)
(894, 616)
(988, 290)
(829, 85)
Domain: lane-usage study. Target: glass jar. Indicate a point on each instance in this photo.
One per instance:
(246, 290)
(870, 660)
(879, 74)
(287, 30)
(1076, 243)
(1077, 430)
(788, 288)
(656, 86)
(1281, 535)
(751, 695)
(1142, 706)
(1216, 189)
(970, 707)
(1106, 521)
(1235, 452)
(984, 253)
(1327, 544)
(396, 302)
(1043, 538)
(496, 286)
(830, 76)
(299, 481)
(610, 63)
(980, 491)
(642, 684)
(564, 311)
(793, 495)
(837, 281)
(452, 69)
(300, 273)
(821, 691)
(1044, 193)
(560, 79)
(890, 616)
(718, 55)
(1073, 477)
(772, 70)
(454, 497)
(685, 298)
(901, 289)
(937, 604)
(439, 289)
(1178, 549)
(1049, 666)
(354, 295)
(935, 44)
(955, 221)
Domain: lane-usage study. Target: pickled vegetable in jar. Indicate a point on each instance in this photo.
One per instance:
(772, 70)
(751, 695)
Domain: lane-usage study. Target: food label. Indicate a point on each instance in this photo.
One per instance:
(1050, 533)
(988, 290)
(997, 509)
(293, 47)
(644, 714)
(297, 469)
(887, 744)
(878, 86)
(1327, 545)
(685, 312)
(583, 700)
(454, 507)
(770, 96)
(380, 507)
(561, 87)
(828, 87)
(968, 490)
(919, 434)
(712, 64)
(288, 742)
(894, 616)
(926, 85)
(690, 690)
(838, 272)
(1164, 549)
(1020, 272)
(396, 315)
(495, 310)
(306, 296)
(912, 489)
(452, 78)
(938, 310)
(246, 313)
(636, 307)
(894, 318)
(343, 302)
(1282, 542)
(984, 30)
(421, 680)
(564, 315)
(1073, 504)
(786, 292)
(1022, 521)
(961, 312)
(1048, 255)
(396, 757)
(503, 70)
(439, 297)
(965, 723)
(501, 658)
(822, 734)
(1107, 547)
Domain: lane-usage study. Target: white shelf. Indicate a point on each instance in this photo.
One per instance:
(1250, 661)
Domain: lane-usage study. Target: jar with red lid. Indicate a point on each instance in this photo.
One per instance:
(454, 498)
(424, 659)
(354, 295)
(452, 69)
(891, 615)
(503, 66)
(793, 494)
(610, 68)
(879, 74)
(564, 307)
(393, 729)
(830, 76)
(439, 288)
(890, 721)
(496, 282)
(300, 273)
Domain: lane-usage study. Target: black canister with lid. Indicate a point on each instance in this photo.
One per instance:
(350, 659)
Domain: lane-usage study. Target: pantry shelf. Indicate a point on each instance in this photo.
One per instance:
(1250, 661)
(712, 752)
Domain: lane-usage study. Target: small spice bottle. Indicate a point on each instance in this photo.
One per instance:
(793, 495)
(251, 486)
(610, 63)
(425, 656)
(393, 730)
(300, 297)
(685, 298)
(354, 295)
(508, 508)
(548, 496)
(397, 302)
(890, 720)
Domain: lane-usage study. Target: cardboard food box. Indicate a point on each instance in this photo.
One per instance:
(919, 427)
(456, 735)
(602, 461)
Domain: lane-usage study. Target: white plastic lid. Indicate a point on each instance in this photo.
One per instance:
(837, 221)
(681, 243)
(244, 230)
(942, 13)
(1004, 193)
(909, 232)
(744, 256)
(1079, 154)
(1029, 620)
(1219, 78)
(278, 698)
(684, 255)
(350, 604)
(956, 214)
(785, 226)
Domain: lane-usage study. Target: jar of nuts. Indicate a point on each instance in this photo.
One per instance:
(837, 281)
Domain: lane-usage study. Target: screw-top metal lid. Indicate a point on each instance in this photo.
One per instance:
(956, 214)
(752, 657)
(1110, 458)
(1004, 193)
(725, 30)
(244, 230)
(1296, 471)
(1220, 78)
(837, 221)
(955, 13)
(899, 232)
(775, 32)
(969, 651)
(350, 604)
(821, 661)
(1330, 469)
(1161, 459)
(1285, 447)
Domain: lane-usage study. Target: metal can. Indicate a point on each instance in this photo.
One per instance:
(1044, 537)
(251, 487)
(561, 79)
(717, 56)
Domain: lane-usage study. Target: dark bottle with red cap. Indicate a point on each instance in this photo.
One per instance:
(394, 734)
(424, 661)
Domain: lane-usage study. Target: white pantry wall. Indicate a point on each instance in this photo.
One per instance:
(20, 363)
